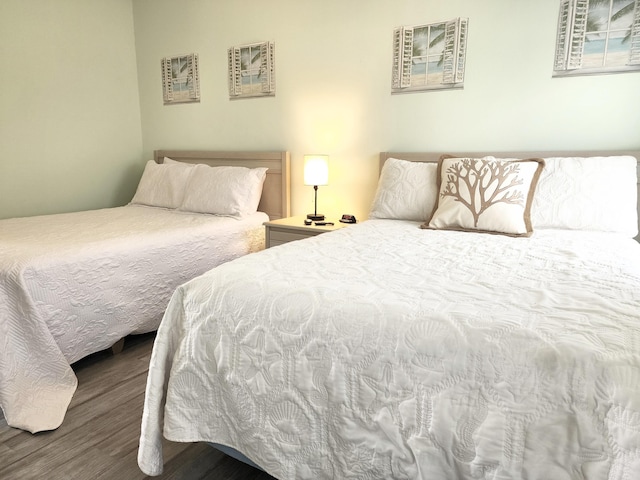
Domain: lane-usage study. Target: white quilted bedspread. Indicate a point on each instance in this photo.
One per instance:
(74, 284)
(385, 351)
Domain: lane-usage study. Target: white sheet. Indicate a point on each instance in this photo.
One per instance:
(386, 351)
(74, 284)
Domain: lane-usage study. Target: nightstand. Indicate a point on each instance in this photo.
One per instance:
(293, 228)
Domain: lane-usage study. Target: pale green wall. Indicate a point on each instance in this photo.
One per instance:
(70, 135)
(333, 75)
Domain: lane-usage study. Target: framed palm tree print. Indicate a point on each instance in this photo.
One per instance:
(597, 36)
(429, 57)
(180, 79)
(252, 70)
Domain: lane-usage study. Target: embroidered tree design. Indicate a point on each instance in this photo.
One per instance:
(478, 184)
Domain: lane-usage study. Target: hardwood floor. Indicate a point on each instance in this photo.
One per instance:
(99, 436)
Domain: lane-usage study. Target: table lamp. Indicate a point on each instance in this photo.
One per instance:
(316, 172)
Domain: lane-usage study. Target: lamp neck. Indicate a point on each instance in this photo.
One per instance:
(315, 202)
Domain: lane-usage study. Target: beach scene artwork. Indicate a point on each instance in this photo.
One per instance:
(608, 37)
(180, 81)
(251, 70)
(597, 36)
(250, 61)
(427, 67)
(429, 56)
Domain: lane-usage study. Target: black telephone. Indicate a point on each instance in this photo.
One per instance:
(348, 218)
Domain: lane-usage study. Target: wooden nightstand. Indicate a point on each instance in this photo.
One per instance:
(293, 228)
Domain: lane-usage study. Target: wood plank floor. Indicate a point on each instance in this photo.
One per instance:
(99, 436)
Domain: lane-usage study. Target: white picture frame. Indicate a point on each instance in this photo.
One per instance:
(429, 56)
(252, 70)
(596, 37)
(180, 79)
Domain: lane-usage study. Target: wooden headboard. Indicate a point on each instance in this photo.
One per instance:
(434, 156)
(276, 193)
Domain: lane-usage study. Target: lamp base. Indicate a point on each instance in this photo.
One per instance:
(315, 217)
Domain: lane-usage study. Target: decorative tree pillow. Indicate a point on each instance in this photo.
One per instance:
(485, 195)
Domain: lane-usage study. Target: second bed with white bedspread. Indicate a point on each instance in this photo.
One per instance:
(387, 351)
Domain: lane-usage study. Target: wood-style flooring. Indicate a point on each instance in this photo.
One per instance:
(99, 436)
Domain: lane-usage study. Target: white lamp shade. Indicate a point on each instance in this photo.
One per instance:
(316, 169)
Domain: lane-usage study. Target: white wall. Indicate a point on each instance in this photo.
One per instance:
(70, 135)
(333, 75)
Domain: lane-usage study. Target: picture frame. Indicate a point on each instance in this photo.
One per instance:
(252, 70)
(180, 79)
(429, 56)
(596, 37)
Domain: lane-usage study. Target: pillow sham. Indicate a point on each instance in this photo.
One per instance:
(406, 191)
(588, 193)
(162, 185)
(231, 191)
(485, 195)
(171, 161)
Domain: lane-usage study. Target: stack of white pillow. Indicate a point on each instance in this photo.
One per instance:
(228, 190)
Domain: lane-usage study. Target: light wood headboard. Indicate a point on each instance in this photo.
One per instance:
(434, 156)
(276, 193)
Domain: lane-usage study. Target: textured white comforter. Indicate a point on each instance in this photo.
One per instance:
(74, 284)
(386, 351)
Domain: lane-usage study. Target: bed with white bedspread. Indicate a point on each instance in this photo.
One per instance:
(76, 283)
(386, 350)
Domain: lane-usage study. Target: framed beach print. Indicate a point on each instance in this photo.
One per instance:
(180, 79)
(252, 70)
(429, 57)
(597, 36)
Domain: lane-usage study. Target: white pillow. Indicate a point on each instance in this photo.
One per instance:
(588, 193)
(171, 161)
(233, 191)
(162, 185)
(486, 195)
(406, 191)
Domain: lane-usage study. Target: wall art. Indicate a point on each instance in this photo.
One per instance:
(180, 79)
(597, 36)
(429, 57)
(252, 70)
